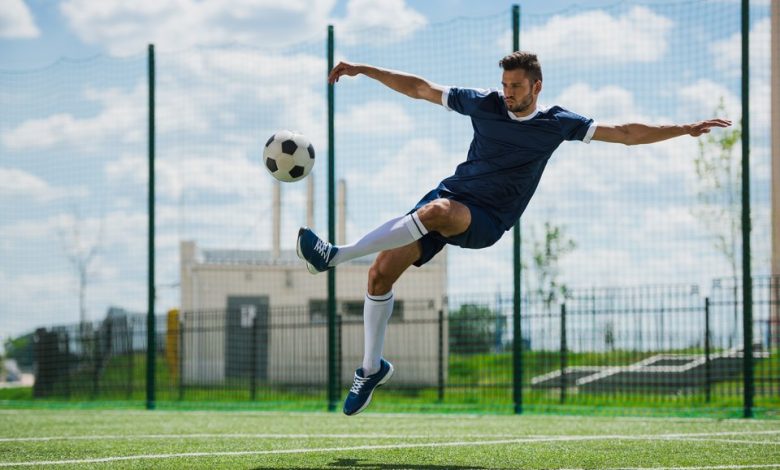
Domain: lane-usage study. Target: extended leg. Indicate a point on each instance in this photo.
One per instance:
(441, 215)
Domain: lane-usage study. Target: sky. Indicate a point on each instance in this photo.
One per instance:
(230, 73)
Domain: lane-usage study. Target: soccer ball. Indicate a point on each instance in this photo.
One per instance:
(288, 156)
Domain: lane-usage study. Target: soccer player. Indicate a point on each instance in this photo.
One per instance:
(513, 140)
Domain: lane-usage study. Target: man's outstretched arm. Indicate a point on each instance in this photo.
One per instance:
(410, 85)
(635, 134)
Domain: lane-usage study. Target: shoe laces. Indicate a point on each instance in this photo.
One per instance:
(323, 248)
(358, 384)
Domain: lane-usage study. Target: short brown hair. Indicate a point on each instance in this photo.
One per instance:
(523, 60)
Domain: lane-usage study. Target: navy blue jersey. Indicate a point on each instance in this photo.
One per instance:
(508, 154)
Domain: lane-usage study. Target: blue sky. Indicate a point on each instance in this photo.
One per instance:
(72, 152)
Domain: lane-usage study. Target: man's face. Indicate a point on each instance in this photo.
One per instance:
(519, 92)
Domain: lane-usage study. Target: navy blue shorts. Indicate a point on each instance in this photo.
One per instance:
(484, 230)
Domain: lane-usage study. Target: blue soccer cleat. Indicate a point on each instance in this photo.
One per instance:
(316, 252)
(363, 388)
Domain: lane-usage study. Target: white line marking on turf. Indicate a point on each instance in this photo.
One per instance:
(687, 436)
(223, 436)
(710, 467)
(400, 446)
(730, 441)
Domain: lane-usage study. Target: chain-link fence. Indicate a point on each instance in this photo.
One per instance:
(253, 323)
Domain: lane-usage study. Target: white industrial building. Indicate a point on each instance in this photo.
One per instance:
(261, 310)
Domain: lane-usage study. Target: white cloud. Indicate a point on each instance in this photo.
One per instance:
(727, 56)
(703, 97)
(196, 92)
(727, 53)
(376, 118)
(125, 28)
(121, 120)
(419, 164)
(610, 103)
(29, 300)
(378, 22)
(21, 184)
(639, 35)
(16, 21)
(17, 182)
(287, 89)
(204, 174)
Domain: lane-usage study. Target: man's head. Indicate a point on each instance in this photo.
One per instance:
(522, 80)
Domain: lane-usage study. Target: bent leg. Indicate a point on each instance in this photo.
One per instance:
(445, 216)
(378, 306)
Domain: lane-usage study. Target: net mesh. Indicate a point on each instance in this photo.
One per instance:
(621, 246)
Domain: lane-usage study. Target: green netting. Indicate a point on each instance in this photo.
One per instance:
(73, 228)
(628, 241)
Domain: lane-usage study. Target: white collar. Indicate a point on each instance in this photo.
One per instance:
(522, 118)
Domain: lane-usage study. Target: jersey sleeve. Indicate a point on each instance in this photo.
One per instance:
(576, 127)
(463, 100)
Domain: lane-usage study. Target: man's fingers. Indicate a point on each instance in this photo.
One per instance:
(337, 72)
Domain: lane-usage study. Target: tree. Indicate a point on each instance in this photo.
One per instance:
(81, 254)
(471, 329)
(20, 349)
(719, 194)
(719, 191)
(547, 254)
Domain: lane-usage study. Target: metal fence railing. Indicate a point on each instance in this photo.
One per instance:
(664, 347)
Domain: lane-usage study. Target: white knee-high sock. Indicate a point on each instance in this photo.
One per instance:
(392, 234)
(376, 313)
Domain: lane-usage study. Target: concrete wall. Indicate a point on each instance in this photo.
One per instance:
(297, 345)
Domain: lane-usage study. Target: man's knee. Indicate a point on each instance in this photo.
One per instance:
(445, 216)
(436, 215)
(436, 212)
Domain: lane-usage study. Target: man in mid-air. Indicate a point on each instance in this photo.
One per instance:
(513, 140)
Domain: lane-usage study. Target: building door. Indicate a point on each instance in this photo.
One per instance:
(246, 339)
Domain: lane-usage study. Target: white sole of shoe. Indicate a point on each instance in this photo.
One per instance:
(381, 382)
(309, 266)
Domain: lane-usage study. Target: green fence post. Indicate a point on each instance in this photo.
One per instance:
(151, 336)
(707, 366)
(517, 342)
(563, 353)
(441, 357)
(333, 394)
(182, 325)
(96, 359)
(747, 284)
(253, 348)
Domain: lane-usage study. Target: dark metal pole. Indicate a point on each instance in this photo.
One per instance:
(151, 343)
(563, 352)
(441, 355)
(253, 348)
(707, 366)
(181, 352)
(747, 281)
(517, 342)
(333, 394)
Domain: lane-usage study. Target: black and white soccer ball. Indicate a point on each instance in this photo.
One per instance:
(288, 156)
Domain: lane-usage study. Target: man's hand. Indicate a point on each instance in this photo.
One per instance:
(343, 68)
(703, 127)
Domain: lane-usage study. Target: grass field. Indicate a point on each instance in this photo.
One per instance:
(278, 440)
